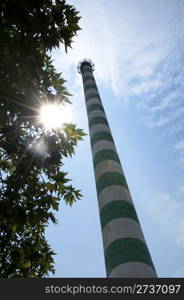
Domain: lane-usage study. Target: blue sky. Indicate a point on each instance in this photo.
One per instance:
(137, 47)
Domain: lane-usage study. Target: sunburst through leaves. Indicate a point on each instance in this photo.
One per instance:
(53, 116)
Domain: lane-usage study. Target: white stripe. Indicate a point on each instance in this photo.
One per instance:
(99, 127)
(91, 102)
(133, 269)
(92, 99)
(91, 91)
(96, 113)
(103, 145)
(121, 228)
(108, 166)
(113, 192)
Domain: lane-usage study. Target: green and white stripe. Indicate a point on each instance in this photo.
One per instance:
(126, 252)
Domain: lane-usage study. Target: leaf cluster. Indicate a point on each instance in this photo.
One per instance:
(32, 180)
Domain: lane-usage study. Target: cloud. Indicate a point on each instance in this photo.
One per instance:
(132, 37)
(163, 226)
(180, 145)
(168, 215)
(116, 34)
(165, 102)
(179, 272)
(137, 48)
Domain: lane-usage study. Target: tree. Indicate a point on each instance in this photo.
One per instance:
(32, 182)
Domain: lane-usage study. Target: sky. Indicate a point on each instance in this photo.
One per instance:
(137, 48)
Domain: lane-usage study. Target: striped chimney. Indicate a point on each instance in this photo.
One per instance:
(125, 249)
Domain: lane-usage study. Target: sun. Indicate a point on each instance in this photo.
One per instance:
(53, 116)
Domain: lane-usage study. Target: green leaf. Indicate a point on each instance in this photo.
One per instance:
(32, 180)
(26, 265)
(14, 227)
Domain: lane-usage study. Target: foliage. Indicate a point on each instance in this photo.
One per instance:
(32, 182)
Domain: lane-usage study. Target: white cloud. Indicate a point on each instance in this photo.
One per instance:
(127, 40)
(124, 36)
(160, 122)
(168, 214)
(137, 48)
(180, 162)
(145, 86)
(180, 234)
(180, 145)
(167, 101)
(168, 118)
(179, 272)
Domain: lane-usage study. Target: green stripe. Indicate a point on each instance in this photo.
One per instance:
(126, 250)
(117, 209)
(89, 80)
(97, 120)
(87, 77)
(95, 107)
(92, 95)
(105, 155)
(101, 135)
(89, 86)
(87, 73)
(108, 179)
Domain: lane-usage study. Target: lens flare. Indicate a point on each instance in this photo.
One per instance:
(53, 116)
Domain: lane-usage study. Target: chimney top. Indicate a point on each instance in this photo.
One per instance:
(85, 61)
